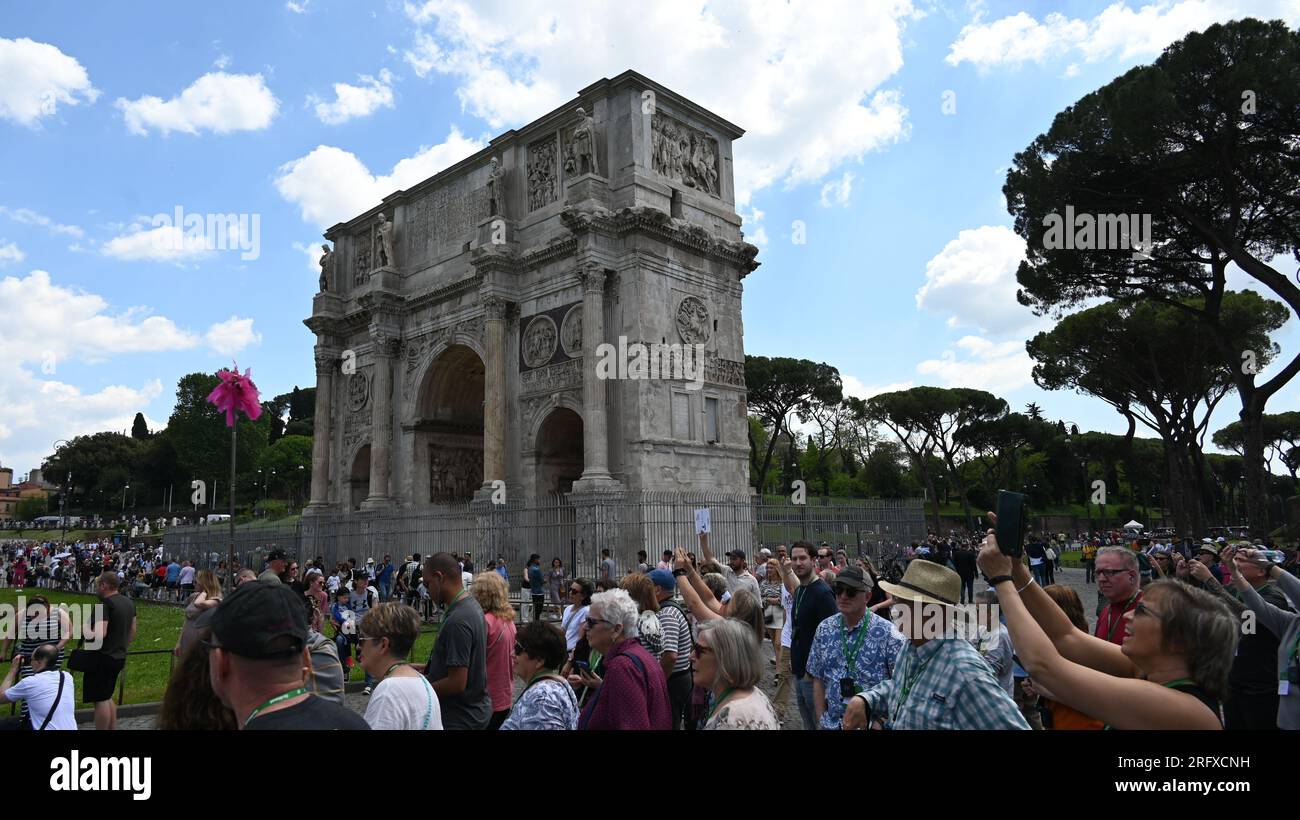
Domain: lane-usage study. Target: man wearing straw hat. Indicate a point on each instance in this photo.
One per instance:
(939, 681)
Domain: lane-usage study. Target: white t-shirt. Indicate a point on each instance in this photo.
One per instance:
(39, 691)
(404, 703)
(573, 620)
(466, 579)
(787, 603)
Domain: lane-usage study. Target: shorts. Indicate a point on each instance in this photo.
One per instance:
(98, 683)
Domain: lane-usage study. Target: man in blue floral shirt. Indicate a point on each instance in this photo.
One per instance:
(851, 651)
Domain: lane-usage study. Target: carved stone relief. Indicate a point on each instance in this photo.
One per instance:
(552, 378)
(358, 391)
(684, 154)
(454, 472)
(541, 174)
(443, 219)
(539, 340)
(571, 332)
(693, 324)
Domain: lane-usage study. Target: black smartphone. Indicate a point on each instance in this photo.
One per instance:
(1012, 520)
(582, 666)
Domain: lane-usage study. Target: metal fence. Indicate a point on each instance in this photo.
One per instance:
(573, 528)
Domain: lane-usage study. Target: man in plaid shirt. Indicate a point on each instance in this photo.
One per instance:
(940, 680)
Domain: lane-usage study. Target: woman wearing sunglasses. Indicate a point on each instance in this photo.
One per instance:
(633, 693)
(1170, 673)
(403, 698)
(547, 702)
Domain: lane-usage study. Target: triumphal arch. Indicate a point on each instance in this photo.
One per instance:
(484, 325)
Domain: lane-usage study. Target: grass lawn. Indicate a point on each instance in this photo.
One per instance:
(159, 625)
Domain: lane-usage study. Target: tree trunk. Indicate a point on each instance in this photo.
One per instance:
(1256, 481)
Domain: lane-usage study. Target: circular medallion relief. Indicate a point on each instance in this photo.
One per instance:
(358, 391)
(538, 342)
(571, 332)
(693, 323)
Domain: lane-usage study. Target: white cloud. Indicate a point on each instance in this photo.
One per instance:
(36, 77)
(796, 76)
(1071, 71)
(10, 253)
(759, 237)
(231, 336)
(299, 7)
(974, 280)
(26, 216)
(222, 62)
(216, 102)
(1120, 32)
(838, 191)
(998, 367)
(86, 329)
(351, 101)
(330, 185)
(311, 254)
(853, 386)
(166, 243)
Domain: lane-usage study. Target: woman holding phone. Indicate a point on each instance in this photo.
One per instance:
(1170, 673)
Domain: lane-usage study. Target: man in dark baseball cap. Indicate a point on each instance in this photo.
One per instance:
(275, 564)
(258, 658)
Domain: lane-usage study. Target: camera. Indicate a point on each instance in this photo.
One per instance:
(847, 688)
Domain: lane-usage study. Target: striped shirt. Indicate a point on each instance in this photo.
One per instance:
(676, 634)
(944, 684)
(39, 632)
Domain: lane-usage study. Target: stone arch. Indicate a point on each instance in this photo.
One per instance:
(557, 455)
(547, 406)
(445, 426)
(418, 380)
(358, 481)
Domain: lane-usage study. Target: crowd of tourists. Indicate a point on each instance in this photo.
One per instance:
(1201, 636)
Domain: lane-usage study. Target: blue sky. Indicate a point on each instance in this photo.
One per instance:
(305, 113)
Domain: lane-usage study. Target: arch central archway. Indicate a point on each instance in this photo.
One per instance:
(449, 428)
(359, 478)
(558, 457)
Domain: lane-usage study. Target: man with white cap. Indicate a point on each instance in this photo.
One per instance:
(939, 681)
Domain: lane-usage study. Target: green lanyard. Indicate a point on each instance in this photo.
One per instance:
(454, 601)
(1110, 632)
(293, 693)
(851, 647)
(391, 668)
(910, 682)
(717, 703)
(1174, 684)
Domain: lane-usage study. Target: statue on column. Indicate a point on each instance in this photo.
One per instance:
(584, 142)
(386, 257)
(496, 189)
(326, 266)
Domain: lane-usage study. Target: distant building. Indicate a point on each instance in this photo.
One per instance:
(9, 494)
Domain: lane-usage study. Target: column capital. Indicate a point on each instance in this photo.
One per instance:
(593, 277)
(494, 308)
(326, 359)
(385, 340)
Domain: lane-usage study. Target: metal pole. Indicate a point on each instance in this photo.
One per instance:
(230, 553)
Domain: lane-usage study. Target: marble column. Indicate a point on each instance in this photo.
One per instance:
(595, 427)
(494, 391)
(381, 419)
(326, 362)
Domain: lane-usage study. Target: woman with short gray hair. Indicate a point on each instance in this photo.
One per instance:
(728, 663)
(634, 693)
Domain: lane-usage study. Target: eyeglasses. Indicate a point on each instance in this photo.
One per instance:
(849, 592)
(591, 620)
(1108, 573)
(700, 650)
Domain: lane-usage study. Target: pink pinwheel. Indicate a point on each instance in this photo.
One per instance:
(236, 393)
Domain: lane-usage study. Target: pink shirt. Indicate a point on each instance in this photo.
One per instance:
(500, 661)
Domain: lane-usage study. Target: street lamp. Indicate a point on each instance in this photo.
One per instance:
(124, 489)
(302, 483)
(63, 494)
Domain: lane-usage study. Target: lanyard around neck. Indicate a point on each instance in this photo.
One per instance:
(725, 694)
(292, 693)
(1110, 632)
(851, 647)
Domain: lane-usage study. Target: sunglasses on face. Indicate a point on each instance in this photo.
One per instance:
(849, 592)
(591, 621)
(1110, 573)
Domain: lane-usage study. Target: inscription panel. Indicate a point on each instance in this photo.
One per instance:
(441, 221)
